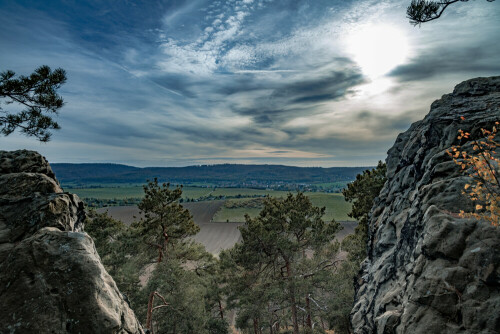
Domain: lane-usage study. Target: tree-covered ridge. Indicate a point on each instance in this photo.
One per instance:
(226, 174)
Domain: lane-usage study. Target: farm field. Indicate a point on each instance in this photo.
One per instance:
(132, 192)
(336, 208)
(187, 192)
(215, 236)
(218, 236)
(202, 211)
(247, 192)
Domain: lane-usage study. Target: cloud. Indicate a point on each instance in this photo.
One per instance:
(442, 61)
(322, 88)
(202, 81)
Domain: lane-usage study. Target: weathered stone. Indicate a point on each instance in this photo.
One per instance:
(26, 162)
(51, 277)
(427, 270)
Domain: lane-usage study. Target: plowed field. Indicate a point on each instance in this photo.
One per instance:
(214, 236)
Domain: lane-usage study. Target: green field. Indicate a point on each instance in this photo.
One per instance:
(336, 208)
(247, 192)
(132, 192)
(187, 192)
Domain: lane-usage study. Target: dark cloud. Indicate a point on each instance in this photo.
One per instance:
(441, 61)
(387, 124)
(292, 99)
(240, 83)
(331, 87)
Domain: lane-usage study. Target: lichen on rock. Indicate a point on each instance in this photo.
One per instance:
(427, 270)
(51, 277)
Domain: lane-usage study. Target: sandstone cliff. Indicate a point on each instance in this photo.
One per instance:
(428, 271)
(51, 277)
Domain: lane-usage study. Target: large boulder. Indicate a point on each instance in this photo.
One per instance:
(51, 277)
(429, 271)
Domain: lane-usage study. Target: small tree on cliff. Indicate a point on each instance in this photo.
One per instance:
(361, 194)
(166, 222)
(483, 166)
(37, 95)
(421, 11)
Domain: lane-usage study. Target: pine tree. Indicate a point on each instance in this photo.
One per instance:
(166, 222)
(421, 11)
(276, 258)
(37, 95)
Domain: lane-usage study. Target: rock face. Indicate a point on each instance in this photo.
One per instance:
(427, 270)
(51, 277)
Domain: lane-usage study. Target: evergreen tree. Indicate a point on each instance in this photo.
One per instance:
(37, 95)
(178, 305)
(421, 11)
(276, 259)
(361, 193)
(166, 222)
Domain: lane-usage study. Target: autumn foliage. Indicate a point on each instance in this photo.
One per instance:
(482, 165)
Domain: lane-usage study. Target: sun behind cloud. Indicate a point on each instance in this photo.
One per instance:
(378, 48)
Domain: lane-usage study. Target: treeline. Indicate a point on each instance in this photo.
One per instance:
(95, 203)
(227, 175)
(287, 275)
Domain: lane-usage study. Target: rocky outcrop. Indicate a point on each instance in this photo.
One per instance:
(429, 271)
(51, 277)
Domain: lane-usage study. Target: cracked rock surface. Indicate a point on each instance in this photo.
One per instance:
(51, 277)
(427, 270)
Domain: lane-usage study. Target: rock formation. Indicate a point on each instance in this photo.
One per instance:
(51, 277)
(427, 270)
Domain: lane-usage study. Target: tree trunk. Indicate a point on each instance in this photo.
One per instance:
(150, 311)
(308, 309)
(221, 312)
(291, 289)
(255, 326)
(160, 255)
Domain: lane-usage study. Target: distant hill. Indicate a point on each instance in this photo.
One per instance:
(226, 174)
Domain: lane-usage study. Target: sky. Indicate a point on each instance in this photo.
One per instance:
(293, 82)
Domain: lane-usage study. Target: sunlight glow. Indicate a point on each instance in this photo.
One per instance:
(374, 87)
(378, 48)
